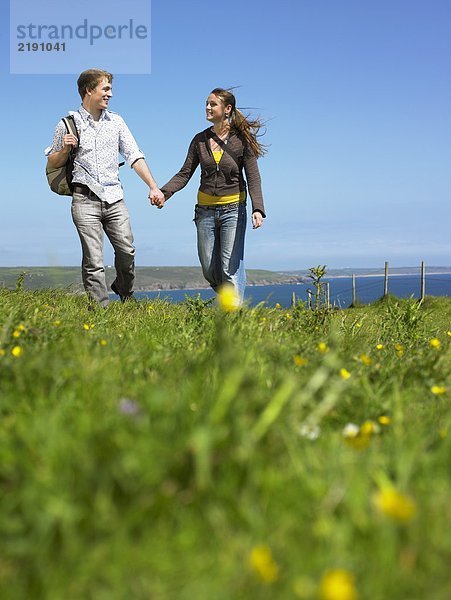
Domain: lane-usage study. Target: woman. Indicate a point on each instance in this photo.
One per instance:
(223, 152)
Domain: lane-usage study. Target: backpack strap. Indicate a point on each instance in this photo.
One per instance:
(69, 122)
(225, 147)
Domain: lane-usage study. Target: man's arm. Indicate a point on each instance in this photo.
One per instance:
(135, 158)
(156, 196)
(59, 158)
(62, 143)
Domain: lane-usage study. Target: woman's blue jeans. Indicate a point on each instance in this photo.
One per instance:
(220, 244)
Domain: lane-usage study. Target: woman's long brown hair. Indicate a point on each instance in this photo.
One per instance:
(242, 124)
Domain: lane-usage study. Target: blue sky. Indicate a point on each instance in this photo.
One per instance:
(358, 100)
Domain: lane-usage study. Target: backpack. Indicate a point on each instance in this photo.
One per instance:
(60, 178)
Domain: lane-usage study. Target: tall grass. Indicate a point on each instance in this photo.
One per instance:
(166, 451)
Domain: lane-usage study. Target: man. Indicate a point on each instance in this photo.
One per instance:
(97, 201)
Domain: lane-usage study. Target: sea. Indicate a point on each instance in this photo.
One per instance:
(368, 289)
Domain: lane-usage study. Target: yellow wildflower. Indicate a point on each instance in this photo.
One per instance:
(366, 360)
(228, 298)
(277, 305)
(434, 343)
(2, 352)
(345, 374)
(263, 320)
(20, 327)
(438, 390)
(262, 562)
(288, 316)
(448, 333)
(384, 420)
(103, 342)
(323, 347)
(88, 326)
(399, 349)
(56, 323)
(338, 584)
(16, 333)
(17, 351)
(369, 428)
(299, 361)
(358, 325)
(379, 346)
(354, 437)
(394, 505)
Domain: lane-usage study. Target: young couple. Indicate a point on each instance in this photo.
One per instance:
(223, 151)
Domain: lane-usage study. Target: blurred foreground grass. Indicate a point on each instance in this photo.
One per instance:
(166, 451)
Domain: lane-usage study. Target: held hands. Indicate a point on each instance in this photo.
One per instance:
(156, 197)
(257, 219)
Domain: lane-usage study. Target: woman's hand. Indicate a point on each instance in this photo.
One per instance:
(156, 197)
(257, 219)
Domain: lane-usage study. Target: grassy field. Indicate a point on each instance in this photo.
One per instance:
(157, 451)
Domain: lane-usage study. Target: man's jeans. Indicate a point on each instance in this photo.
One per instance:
(92, 218)
(220, 244)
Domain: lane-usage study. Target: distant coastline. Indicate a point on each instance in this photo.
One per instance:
(154, 279)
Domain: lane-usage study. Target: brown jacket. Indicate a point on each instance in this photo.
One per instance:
(225, 178)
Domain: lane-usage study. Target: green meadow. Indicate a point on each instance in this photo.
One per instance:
(175, 452)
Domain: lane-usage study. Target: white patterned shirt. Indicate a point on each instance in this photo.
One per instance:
(96, 161)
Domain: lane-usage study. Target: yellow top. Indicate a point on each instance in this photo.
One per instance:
(204, 199)
(217, 155)
(208, 200)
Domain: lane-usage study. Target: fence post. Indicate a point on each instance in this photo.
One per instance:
(309, 298)
(328, 294)
(293, 299)
(423, 281)
(354, 297)
(386, 280)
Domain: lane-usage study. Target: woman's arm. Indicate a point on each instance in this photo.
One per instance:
(181, 178)
(254, 184)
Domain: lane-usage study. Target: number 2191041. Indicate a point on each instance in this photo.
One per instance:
(41, 47)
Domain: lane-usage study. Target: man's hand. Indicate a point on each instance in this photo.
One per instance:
(257, 219)
(59, 158)
(156, 197)
(69, 141)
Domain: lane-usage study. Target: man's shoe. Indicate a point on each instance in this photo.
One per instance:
(123, 298)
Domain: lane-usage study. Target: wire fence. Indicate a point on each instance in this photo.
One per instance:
(352, 289)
